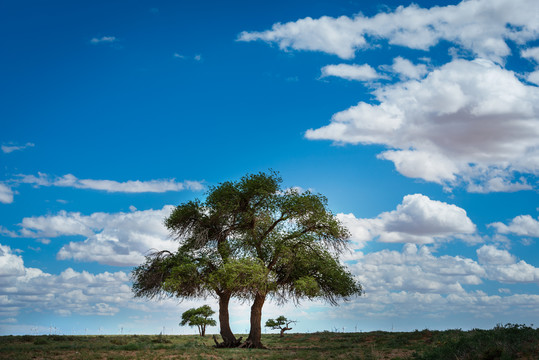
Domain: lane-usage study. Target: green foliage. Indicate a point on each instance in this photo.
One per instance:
(241, 276)
(278, 323)
(199, 317)
(170, 274)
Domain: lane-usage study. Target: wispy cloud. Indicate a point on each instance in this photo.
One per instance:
(197, 57)
(131, 186)
(10, 148)
(351, 72)
(6, 194)
(104, 40)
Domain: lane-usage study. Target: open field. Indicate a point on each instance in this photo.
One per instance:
(502, 342)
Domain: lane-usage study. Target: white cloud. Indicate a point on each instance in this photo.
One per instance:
(414, 283)
(523, 225)
(479, 26)
(10, 265)
(10, 148)
(417, 219)
(131, 186)
(468, 121)
(463, 309)
(335, 36)
(120, 239)
(62, 224)
(491, 255)
(69, 292)
(351, 72)
(531, 53)
(501, 266)
(422, 164)
(104, 40)
(415, 270)
(533, 77)
(6, 194)
(520, 272)
(407, 70)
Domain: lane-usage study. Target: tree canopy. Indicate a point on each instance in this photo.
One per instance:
(281, 323)
(199, 317)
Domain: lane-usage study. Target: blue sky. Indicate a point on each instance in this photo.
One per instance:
(419, 122)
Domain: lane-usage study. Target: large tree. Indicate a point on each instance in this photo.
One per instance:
(208, 261)
(250, 239)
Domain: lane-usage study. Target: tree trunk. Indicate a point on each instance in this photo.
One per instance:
(229, 340)
(255, 334)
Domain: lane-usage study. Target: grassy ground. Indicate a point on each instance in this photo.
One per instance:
(502, 342)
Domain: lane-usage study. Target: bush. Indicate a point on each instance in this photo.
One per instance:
(41, 341)
(161, 339)
(510, 341)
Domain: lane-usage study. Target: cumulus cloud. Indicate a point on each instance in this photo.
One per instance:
(531, 53)
(351, 72)
(69, 292)
(131, 186)
(407, 70)
(479, 26)
(120, 239)
(533, 77)
(418, 219)
(501, 266)
(468, 121)
(523, 225)
(404, 308)
(6, 194)
(415, 270)
(491, 255)
(10, 148)
(416, 282)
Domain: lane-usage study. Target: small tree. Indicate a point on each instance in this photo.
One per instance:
(281, 323)
(199, 317)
